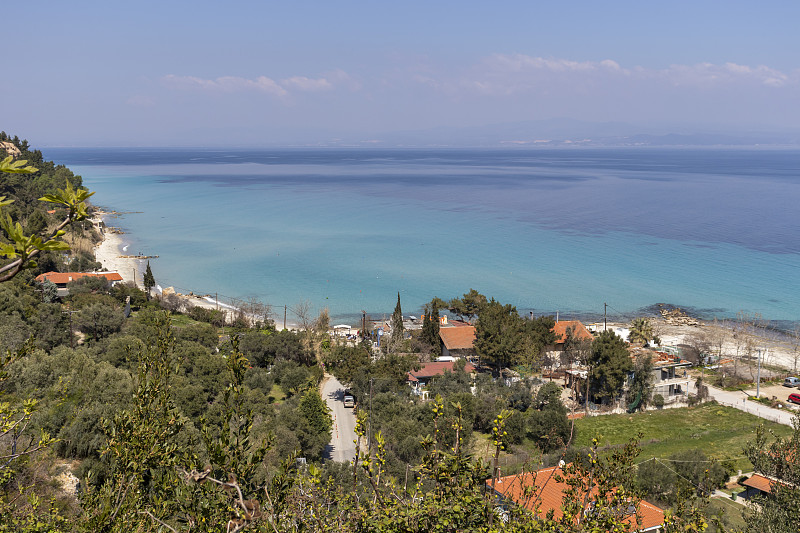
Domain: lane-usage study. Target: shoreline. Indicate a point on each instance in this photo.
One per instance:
(109, 254)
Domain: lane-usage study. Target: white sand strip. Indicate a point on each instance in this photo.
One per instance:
(108, 253)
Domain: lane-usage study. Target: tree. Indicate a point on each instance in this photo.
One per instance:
(609, 364)
(469, 305)
(575, 349)
(641, 387)
(148, 280)
(316, 412)
(537, 335)
(397, 325)
(547, 424)
(498, 334)
(430, 329)
(641, 331)
(22, 248)
(100, 320)
(780, 460)
(49, 291)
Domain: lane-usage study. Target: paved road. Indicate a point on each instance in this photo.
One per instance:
(739, 401)
(342, 448)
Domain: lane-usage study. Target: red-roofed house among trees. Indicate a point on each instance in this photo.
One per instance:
(576, 329)
(62, 278)
(540, 493)
(418, 379)
(572, 340)
(458, 341)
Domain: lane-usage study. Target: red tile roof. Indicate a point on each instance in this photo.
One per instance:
(458, 338)
(757, 481)
(578, 330)
(62, 278)
(541, 489)
(438, 368)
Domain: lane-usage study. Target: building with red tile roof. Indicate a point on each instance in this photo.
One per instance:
(62, 278)
(540, 493)
(457, 341)
(578, 330)
(759, 483)
(419, 378)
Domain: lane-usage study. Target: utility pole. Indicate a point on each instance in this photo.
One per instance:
(369, 422)
(284, 316)
(71, 335)
(605, 315)
(588, 371)
(758, 381)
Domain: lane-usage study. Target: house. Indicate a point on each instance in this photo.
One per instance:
(670, 378)
(579, 332)
(540, 492)
(757, 485)
(457, 341)
(420, 378)
(556, 354)
(62, 278)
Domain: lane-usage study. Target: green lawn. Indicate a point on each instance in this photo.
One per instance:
(276, 394)
(721, 432)
(182, 320)
(729, 513)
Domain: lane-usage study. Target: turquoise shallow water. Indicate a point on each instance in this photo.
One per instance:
(715, 231)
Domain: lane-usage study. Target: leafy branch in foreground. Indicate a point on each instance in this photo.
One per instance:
(23, 248)
(16, 167)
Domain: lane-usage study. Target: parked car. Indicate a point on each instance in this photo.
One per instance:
(349, 400)
(791, 382)
(794, 398)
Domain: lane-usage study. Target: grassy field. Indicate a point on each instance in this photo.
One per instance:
(721, 432)
(729, 513)
(182, 320)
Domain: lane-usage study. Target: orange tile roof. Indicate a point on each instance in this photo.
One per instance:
(458, 338)
(578, 330)
(438, 368)
(541, 489)
(62, 278)
(757, 481)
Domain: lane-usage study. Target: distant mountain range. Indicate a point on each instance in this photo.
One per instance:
(568, 132)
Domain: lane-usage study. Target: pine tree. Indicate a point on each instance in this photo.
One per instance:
(397, 323)
(148, 280)
(430, 328)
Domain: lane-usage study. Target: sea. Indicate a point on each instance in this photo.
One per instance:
(575, 231)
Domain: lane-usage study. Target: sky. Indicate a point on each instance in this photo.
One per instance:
(202, 73)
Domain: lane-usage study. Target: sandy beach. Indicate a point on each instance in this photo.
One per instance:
(109, 253)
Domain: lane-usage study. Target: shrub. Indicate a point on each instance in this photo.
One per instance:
(658, 401)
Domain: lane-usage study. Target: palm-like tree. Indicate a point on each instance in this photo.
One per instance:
(641, 330)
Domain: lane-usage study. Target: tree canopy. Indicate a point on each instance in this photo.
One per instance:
(609, 365)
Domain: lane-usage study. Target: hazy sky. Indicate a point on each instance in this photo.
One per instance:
(245, 72)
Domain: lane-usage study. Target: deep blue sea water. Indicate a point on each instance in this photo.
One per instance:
(716, 231)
